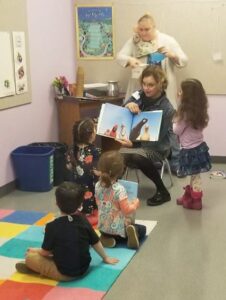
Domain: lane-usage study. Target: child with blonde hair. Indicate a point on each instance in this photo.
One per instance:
(114, 208)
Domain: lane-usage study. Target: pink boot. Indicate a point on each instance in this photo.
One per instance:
(186, 197)
(196, 200)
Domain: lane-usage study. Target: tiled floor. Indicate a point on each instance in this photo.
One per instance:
(184, 258)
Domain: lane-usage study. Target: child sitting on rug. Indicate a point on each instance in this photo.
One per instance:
(82, 160)
(114, 208)
(65, 253)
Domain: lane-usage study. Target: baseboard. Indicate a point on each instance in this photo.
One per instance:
(218, 159)
(11, 186)
(8, 188)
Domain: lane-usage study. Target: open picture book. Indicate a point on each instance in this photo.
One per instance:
(118, 122)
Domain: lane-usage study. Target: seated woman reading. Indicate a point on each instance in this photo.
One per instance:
(141, 155)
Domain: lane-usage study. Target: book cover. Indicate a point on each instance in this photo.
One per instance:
(131, 188)
(156, 58)
(119, 123)
(132, 192)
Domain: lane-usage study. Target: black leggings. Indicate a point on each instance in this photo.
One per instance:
(140, 229)
(136, 161)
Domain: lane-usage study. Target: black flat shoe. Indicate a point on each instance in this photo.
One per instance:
(159, 198)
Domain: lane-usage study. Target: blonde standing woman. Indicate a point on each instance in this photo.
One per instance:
(139, 49)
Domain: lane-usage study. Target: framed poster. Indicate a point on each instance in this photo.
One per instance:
(94, 32)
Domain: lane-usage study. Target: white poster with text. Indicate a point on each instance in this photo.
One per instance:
(7, 83)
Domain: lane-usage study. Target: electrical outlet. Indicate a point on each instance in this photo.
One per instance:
(217, 56)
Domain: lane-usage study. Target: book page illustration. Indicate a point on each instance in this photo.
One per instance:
(119, 123)
(114, 121)
(131, 188)
(146, 126)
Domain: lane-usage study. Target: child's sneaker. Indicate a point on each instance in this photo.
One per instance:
(133, 241)
(107, 242)
(22, 268)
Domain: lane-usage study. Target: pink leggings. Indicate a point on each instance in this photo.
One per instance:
(196, 183)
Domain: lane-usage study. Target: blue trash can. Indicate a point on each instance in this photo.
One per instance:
(59, 160)
(34, 168)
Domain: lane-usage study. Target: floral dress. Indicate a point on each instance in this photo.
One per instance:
(111, 219)
(82, 161)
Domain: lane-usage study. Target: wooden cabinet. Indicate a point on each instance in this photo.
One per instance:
(71, 109)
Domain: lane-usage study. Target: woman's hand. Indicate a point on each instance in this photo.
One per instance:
(133, 62)
(125, 143)
(169, 54)
(133, 107)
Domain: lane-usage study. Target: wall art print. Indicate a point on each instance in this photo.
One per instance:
(94, 30)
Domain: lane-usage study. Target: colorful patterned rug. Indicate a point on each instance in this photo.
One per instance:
(22, 229)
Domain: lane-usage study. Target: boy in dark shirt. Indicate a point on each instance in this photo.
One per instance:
(65, 251)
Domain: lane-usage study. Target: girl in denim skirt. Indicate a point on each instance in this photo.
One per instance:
(188, 124)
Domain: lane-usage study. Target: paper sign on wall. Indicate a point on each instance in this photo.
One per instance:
(20, 67)
(7, 84)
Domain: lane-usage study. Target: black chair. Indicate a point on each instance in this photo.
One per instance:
(160, 161)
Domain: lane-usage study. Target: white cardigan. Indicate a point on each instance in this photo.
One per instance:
(163, 40)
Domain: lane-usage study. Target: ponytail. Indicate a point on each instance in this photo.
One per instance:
(105, 180)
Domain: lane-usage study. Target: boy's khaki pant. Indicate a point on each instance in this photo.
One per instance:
(45, 266)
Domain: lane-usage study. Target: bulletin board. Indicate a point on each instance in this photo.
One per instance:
(199, 26)
(15, 82)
